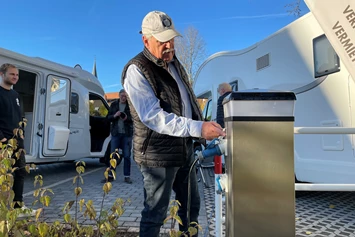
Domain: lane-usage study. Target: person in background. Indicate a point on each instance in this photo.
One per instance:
(166, 118)
(10, 118)
(121, 134)
(224, 89)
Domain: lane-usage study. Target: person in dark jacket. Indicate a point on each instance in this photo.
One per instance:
(10, 118)
(121, 133)
(224, 89)
(166, 118)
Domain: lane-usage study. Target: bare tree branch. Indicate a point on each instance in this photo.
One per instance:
(294, 8)
(191, 51)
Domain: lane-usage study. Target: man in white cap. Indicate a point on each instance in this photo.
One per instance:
(166, 118)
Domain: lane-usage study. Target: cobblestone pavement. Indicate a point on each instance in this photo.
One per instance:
(318, 214)
(62, 185)
(62, 171)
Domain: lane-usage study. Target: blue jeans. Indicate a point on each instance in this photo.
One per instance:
(121, 141)
(158, 183)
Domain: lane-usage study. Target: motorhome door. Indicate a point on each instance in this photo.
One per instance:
(56, 123)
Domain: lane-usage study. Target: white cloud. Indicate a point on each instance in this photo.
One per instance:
(111, 86)
(243, 17)
(257, 16)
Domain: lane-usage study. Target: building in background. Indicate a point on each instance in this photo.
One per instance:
(111, 96)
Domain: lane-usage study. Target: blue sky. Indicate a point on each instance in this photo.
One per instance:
(74, 32)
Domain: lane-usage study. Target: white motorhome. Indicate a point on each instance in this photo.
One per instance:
(65, 109)
(296, 58)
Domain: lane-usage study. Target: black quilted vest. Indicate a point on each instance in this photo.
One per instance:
(151, 148)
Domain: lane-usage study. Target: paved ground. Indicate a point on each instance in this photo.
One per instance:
(317, 213)
(62, 185)
(325, 214)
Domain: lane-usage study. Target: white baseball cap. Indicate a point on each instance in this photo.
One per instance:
(159, 25)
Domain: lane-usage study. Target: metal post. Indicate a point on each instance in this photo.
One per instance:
(260, 198)
(218, 196)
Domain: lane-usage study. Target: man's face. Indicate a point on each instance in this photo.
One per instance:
(10, 77)
(123, 97)
(162, 50)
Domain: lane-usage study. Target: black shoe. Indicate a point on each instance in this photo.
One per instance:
(128, 180)
(110, 179)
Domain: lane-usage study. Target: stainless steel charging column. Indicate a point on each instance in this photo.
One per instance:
(260, 196)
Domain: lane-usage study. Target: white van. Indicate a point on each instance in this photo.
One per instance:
(296, 58)
(65, 109)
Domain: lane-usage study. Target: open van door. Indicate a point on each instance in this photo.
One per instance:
(56, 120)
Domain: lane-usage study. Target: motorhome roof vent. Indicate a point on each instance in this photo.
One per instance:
(262, 62)
(78, 66)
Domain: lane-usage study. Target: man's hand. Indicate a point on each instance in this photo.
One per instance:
(117, 114)
(212, 130)
(3, 140)
(125, 117)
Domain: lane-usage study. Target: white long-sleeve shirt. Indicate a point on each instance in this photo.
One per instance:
(148, 107)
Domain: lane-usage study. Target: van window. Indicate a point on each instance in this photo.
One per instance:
(207, 111)
(203, 99)
(326, 61)
(74, 103)
(58, 93)
(97, 106)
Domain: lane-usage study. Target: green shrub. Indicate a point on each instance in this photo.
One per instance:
(106, 224)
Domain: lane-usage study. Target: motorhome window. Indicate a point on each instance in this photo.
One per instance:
(58, 90)
(97, 106)
(74, 103)
(207, 111)
(326, 61)
(203, 99)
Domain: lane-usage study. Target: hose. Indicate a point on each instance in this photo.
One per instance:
(189, 191)
(189, 200)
